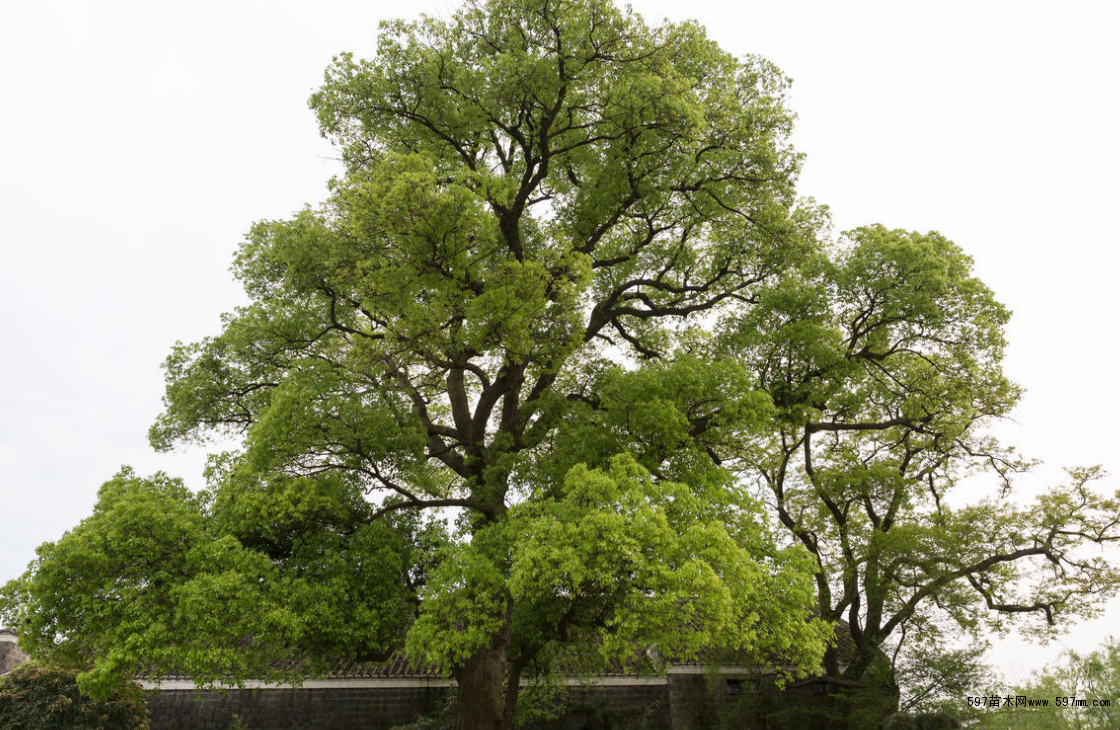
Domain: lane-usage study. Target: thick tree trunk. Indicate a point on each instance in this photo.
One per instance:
(481, 703)
(831, 662)
(859, 665)
(513, 689)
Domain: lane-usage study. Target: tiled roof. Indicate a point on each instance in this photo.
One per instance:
(845, 648)
(398, 666)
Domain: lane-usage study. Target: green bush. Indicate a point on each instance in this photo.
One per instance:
(37, 698)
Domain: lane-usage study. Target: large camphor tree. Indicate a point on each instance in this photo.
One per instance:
(561, 372)
(496, 318)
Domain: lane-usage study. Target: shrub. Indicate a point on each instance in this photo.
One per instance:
(38, 698)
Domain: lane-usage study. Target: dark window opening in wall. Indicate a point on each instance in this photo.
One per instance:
(734, 686)
(820, 688)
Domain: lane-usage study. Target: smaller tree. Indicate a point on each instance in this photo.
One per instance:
(37, 698)
(154, 580)
(883, 357)
(1092, 678)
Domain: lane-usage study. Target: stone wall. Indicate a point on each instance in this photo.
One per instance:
(294, 709)
(693, 699)
(10, 655)
(637, 706)
(688, 698)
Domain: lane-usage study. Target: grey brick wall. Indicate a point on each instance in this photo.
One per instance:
(293, 709)
(678, 702)
(641, 707)
(635, 707)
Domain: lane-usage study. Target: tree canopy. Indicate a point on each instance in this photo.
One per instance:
(563, 370)
(884, 361)
(1080, 691)
(499, 311)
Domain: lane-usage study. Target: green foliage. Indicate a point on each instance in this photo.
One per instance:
(921, 721)
(37, 698)
(620, 562)
(564, 297)
(935, 680)
(1091, 678)
(150, 582)
(883, 358)
(140, 577)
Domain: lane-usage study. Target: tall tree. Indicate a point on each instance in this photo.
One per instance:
(539, 196)
(883, 358)
(564, 295)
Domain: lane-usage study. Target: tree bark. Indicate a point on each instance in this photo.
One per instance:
(481, 702)
(831, 662)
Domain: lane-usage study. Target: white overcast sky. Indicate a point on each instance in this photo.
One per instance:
(139, 141)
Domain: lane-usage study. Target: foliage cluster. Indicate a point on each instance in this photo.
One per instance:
(156, 584)
(933, 679)
(1090, 677)
(33, 697)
